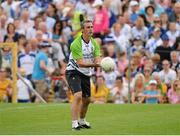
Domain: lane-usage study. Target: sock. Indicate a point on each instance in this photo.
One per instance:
(74, 123)
(82, 121)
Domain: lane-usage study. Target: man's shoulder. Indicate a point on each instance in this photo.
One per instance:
(76, 43)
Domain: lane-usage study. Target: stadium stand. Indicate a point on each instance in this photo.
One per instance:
(142, 37)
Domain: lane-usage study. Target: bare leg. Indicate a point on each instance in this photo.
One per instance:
(75, 105)
(84, 107)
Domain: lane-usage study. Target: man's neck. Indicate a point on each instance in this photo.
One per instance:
(166, 70)
(86, 39)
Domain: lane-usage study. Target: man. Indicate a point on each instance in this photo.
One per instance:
(40, 69)
(164, 50)
(167, 75)
(26, 60)
(85, 54)
(154, 42)
(175, 63)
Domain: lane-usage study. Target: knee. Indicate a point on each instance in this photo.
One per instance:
(78, 96)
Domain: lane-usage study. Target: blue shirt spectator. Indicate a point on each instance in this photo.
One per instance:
(38, 73)
(151, 93)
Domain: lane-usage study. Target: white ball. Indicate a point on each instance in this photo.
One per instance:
(107, 64)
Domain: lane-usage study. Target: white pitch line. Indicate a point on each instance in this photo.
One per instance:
(28, 107)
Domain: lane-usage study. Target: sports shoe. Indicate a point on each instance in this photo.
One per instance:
(85, 125)
(77, 128)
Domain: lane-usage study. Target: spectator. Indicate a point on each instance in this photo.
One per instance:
(137, 45)
(5, 86)
(154, 42)
(174, 93)
(138, 88)
(31, 32)
(26, 60)
(101, 20)
(11, 33)
(122, 62)
(136, 63)
(133, 10)
(172, 33)
(25, 21)
(52, 11)
(125, 28)
(164, 21)
(34, 45)
(40, 69)
(120, 39)
(147, 75)
(157, 24)
(167, 75)
(49, 21)
(176, 45)
(31, 5)
(140, 29)
(8, 7)
(100, 91)
(21, 42)
(57, 31)
(6, 57)
(75, 17)
(152, 95)
(156, 63)
(119, 93)
(150, 10)
(110, 78)
(174, 15)
(23, 92)
(81, 6)
(175, 63)
(46, 34)
(162, 87)
(164, 50)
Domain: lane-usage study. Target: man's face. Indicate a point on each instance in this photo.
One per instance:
(174, 57)
(88, 29)
(165, 65)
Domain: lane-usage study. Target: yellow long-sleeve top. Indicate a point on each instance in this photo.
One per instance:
(102, 91)
(4, 86)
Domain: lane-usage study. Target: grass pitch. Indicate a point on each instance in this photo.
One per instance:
(107, 119)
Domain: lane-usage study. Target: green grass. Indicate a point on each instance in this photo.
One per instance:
(105, 119)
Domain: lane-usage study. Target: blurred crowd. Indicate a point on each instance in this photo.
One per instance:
(142, 36)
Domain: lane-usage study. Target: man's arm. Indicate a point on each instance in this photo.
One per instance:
(81, 63)
(43, 67)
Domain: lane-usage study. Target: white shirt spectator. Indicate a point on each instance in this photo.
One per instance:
(110, 78)
(172, 37)
(80, 6)
(26, 25)
(116, 7)
(121, 41)
(50, 23)
(126, 30)
(47, 35)
(167, 77)
(26, 61)
(152, 44)
(120, 98)
(8, 8)
(143, 33)
(31, 33)
(32, 8)
(23, 90)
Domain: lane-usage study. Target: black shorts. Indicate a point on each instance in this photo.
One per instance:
(79, 82)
